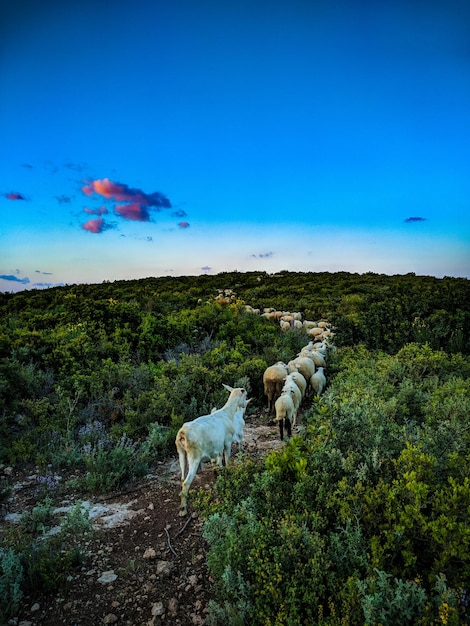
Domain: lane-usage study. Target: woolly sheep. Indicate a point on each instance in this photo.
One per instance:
(315, 331)
(298, 324)
(291, 386)
(205, 438)
(273, 380)
(299, 381)
(284, 325)
(315, 355)
(309, 324)
(285, 413)
(318, 381)
(317, 346)
(304, 365)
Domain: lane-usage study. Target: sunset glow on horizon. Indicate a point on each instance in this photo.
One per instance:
(247, 136)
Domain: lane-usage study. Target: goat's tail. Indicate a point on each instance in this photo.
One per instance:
(181, 441)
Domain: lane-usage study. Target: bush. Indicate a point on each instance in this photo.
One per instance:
(110, 464)
(11, 580)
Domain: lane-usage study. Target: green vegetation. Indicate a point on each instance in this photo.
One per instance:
(365, 518)
(361, 520)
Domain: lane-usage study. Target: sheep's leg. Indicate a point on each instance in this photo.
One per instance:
(288, 427)
(281, 429)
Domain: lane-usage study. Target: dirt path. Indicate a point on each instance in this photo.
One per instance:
(145, 564)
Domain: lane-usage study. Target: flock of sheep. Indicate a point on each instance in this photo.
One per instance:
(210, 437)
(287, 384)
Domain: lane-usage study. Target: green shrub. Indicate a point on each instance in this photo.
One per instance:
(11, 580)
(389, 601)
(109, 465)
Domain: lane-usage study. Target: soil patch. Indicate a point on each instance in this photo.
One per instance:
(146, 565)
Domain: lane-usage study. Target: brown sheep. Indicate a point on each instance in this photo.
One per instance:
(273, 380)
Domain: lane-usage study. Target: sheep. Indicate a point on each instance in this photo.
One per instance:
(298, 324)
(315, 355)
(317, 346)
(284, 325)
(299, 381)
(304, 365)
(291, 386)
(205, 438)
(315, 331)
(285, 412)
(273, 380)
(309, 324)
(318, 381)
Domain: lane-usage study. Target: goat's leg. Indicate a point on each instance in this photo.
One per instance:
(186, 485)
(182, 459)
(227, 451)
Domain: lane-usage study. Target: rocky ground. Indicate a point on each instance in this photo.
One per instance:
(146, 565)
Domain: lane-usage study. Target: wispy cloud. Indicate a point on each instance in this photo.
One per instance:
(102, 210)
(15, 279)
(179, 213)
(206, 268)
(96, 226)
(415, 219)
(14, 195)
(43, 273)
(184, 224)
(63, 199)
(262, 255)
(47, 285)
(76, 167)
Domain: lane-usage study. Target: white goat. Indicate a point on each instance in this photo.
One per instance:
(207, 437)
(239, 425)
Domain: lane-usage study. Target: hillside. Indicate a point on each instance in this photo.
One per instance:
(368, 503)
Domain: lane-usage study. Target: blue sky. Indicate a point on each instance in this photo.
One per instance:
(152, 138)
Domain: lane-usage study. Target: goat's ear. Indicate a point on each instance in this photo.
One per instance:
(249, 400)
(227, 387)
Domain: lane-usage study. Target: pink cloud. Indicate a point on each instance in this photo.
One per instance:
(133, 211)
(183, 224)
(97, 225)
(123, 193)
